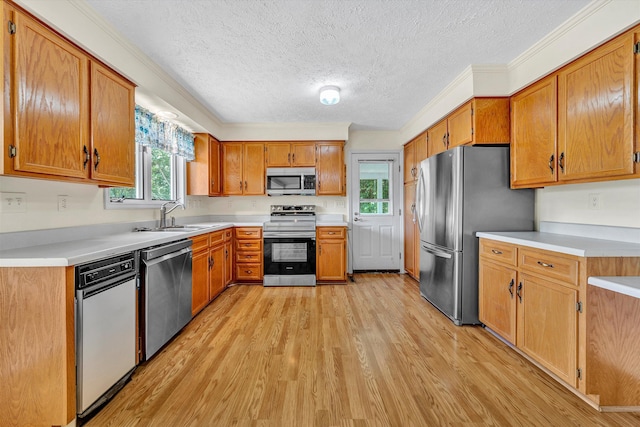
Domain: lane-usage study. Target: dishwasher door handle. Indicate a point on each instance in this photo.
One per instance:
(154, 261)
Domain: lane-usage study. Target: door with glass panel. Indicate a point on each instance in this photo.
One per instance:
(375, 211)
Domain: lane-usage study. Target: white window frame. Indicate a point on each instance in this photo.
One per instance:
(143, 180)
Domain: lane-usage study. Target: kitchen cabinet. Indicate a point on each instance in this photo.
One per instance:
(577, 124)
(537, 300)
(331, 254)
(89, 136)
(243, 168)
(249, 254)
(479, 121)
(37, 338)
(217, 272)
(203, 173)
(415, 151)
(228, 256)
(200, 273)
(330, 169)
(291, 154)
(534, 118)
(411, 232)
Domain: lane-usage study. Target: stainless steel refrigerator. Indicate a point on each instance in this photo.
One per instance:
(459, 192)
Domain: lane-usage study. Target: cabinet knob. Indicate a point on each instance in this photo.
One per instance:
(332, 233)
(248, 271)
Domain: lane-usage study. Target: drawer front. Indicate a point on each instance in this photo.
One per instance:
(200, 242)
(331, 232)
(216, 238)
(248, 256)
(549, 264)
(248, 232)
(248, 271)
(248, 245)
(499, 251)
(228, 234)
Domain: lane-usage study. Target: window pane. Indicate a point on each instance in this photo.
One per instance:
(131, 192)
(375, 187)
(161, 175)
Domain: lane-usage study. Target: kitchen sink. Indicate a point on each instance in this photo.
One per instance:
(175, 229)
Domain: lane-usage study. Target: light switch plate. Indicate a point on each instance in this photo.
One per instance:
(13, 202)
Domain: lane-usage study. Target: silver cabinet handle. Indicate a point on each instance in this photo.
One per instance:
(544, 264)
(496, 252)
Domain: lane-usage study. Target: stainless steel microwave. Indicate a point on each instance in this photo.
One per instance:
(291, 181)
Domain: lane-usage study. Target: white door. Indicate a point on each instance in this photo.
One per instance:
(375, 211)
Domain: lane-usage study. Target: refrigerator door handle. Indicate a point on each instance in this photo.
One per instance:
(418, 198)
(436, 252)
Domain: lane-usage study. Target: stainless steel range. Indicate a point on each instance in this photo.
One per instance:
(290, 246)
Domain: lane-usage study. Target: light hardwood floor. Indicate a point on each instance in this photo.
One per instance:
(370, 353)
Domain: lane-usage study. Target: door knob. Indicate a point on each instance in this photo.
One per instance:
(356, 219)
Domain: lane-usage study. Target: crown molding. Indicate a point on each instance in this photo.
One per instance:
(294, 131)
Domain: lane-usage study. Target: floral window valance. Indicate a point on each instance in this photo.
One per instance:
(155, 133)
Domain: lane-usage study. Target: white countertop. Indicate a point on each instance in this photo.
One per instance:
(572, 245)
(81, 251)
(331, 224)
(627, 285)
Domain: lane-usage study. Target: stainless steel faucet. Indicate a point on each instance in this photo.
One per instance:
(164, 211)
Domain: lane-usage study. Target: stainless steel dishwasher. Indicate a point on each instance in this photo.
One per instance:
(165, 287)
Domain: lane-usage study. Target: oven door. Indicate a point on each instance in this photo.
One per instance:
(287, 260)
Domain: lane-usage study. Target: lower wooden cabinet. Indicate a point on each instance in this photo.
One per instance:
(411, 232)
(331, 254)
(537, 300)
(199, 273)
(248, 251)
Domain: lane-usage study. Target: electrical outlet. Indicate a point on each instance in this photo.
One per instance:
(229, 204)
(63, 203)
(13, 202)
(340, 203)
(253, 203)
(594, 201)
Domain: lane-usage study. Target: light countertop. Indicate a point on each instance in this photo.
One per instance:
(81, 251)
(627, 285)
(572, 245)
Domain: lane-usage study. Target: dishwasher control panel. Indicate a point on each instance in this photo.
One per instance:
(106, 269)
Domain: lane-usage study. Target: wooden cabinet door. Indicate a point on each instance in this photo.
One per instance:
(331, 260)
(460, 126)
(254, 172)
(548, 325)
(410, 172)
(420, 147)
(437, 138)
(278, 154)
(200, 281)
(228, 263)
(330, 169)
(497, 307)
(215, 184)
(533, 135)
(232, 179)
(112, 128)
(410, 235)
(49, 85)
(595, 113)
(303, 154)
(216, 271)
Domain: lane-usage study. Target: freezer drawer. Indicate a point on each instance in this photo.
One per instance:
(440, 280)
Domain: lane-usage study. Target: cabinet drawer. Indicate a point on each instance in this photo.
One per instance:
(248, 256)
(228, 234)
(499, 251)
(549, 264)
(200, 242)
(248, 232)
(216, 238)
(248, 245)
(331, 232)
(248, 271)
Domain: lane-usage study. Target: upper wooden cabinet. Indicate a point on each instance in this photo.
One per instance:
(595, 113)
(330, 169)
(291, 154)
(415, 151)
(89, 135)
(203, 173)
(479, 121)
(243, 168)
(533, 135)
(577, 125)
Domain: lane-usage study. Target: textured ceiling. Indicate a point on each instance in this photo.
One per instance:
(259, 61)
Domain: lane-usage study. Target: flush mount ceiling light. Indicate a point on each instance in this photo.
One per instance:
(330, 95)
(167, 114)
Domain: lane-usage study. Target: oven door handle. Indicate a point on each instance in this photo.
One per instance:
(288, 235)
